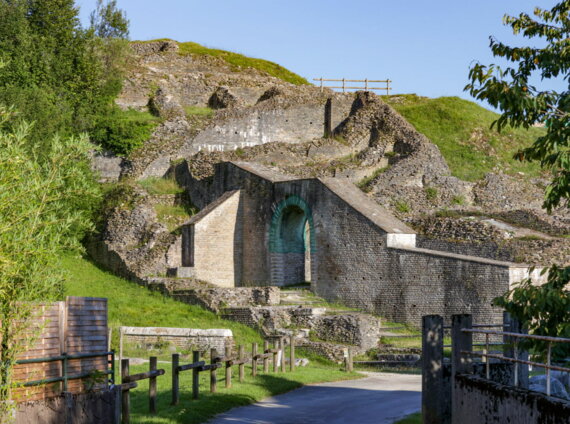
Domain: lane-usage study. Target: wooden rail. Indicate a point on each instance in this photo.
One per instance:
(364, 86)
(228, 360)
(129, 380)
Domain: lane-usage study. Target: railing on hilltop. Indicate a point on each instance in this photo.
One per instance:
(363, 86)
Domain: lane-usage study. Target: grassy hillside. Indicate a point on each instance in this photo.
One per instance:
(133, 305)
(237, 61)
(461, 130)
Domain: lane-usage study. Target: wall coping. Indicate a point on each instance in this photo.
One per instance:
(182, 332)
(458, 256)
(211, 207)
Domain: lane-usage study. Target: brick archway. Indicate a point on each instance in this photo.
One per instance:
(291, 242)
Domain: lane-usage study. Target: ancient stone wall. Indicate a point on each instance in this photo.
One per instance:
(215, 238)
(360, 254)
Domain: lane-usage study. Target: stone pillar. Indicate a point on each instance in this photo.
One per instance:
(328, 118)
(513, 325)
(435, 392)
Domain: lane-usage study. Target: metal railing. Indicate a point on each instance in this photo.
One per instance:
(65, 377)
(364, 86)
(486, 355)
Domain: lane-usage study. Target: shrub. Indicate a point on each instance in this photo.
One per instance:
(123, 132)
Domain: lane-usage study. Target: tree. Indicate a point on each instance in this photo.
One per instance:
(108, 21)
(544, 309)
(59, 75)
(48, 196)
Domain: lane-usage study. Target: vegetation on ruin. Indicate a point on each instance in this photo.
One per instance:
(238, 61)
(198, 111)
(160, 186)
(462, 131)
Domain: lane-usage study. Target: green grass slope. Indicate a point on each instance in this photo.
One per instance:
(238, 61)
(132, 305)
(461, 130)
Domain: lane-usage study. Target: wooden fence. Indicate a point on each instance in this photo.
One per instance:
(363, 84)
(68, 338)
(228, 360)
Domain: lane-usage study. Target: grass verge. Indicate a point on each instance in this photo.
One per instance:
(190, 411)
(132, 305)
(160, 186)
(411, 419)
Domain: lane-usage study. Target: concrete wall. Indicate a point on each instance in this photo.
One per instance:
(184, 338)
(86, 408)
(476, 400)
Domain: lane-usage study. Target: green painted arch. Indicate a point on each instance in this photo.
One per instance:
(290, 217)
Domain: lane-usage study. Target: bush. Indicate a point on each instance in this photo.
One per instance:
(123, 132)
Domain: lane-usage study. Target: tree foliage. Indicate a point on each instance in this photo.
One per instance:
(57, 74)
(47, 198)
(544, 309)
(108, 21)
(523, 104)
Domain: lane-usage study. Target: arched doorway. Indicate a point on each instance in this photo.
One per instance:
(291, 242)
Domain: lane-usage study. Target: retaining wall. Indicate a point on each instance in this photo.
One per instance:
(476, 400)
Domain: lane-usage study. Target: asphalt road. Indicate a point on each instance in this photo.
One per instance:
(380, 398)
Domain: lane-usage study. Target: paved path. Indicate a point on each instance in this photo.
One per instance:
(380, 398)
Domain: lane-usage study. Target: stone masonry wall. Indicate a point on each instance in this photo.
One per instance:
(291, 125)
(183, 338)
(217, 247)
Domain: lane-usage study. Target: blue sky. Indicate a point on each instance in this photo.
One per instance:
(425, 47)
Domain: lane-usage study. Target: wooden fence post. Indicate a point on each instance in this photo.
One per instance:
(152, 386)
(283, 365)
(241, 365)
(125, 398)
(292, 353)
(213, 376)
(265, 358)
(228, 367)
(195, 375)
(275, 356)
(175, 379)
(253, 359)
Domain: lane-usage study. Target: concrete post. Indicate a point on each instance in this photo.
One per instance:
(514, 326)
(328, 118)
(461, 364)
(435, 391)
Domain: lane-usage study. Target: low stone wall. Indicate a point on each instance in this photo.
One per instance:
(353, 328)
(183, 338)
(86, 408)
(476, 400)
(216, 299)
